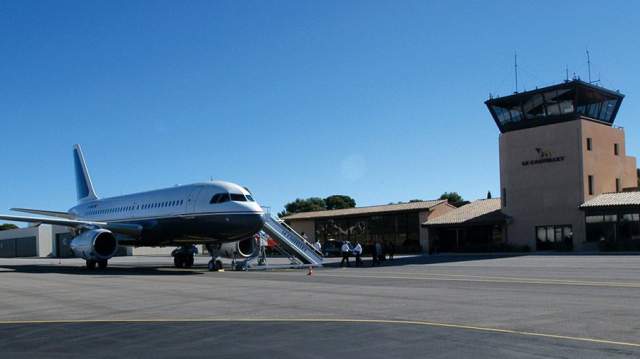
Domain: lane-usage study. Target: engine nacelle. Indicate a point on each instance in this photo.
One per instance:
(96, 244)
(242, 249)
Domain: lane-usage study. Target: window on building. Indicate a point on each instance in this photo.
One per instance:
(554, 237)
(615, 149)
(503, 196)
(617, 184)
(588, 143)
(590, 185)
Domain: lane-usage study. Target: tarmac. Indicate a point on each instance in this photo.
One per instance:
(532, 306)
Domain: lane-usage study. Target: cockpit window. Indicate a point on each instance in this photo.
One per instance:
(219, 198)
(238, 197)
(250, 198)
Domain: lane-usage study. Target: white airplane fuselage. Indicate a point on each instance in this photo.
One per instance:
(181, 214)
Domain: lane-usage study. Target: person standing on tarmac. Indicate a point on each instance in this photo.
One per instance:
(345, 253)
(357, 252)
(379, 252)
(374, 254)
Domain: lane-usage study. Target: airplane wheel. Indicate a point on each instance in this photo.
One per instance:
(177, 261)
(188, 262)
(102, 264)
(91, 264)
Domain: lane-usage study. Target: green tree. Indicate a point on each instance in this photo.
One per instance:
(489, 195)
(339, 201)
(7, 226)
(452, 197)
(303, 205)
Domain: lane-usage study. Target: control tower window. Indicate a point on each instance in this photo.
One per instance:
(615, 149)
(588, 143)
(559, 103)
(590, 185)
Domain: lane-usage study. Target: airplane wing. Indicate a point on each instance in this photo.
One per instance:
(44, 212)
(122, 228)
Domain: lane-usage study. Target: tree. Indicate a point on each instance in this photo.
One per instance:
(339, 201)
(7, 226)
(489, 195)
(303, 205)
(452, 197)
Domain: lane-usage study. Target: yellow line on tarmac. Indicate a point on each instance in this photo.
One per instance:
(627, 284)
(436, 277)
(329, 320)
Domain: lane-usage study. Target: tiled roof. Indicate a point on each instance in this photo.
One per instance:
(613, 199)
(422, 205)
(480, 211)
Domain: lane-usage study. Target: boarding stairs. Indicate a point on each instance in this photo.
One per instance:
(289, 243)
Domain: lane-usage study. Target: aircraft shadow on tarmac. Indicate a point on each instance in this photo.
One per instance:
(112, 270)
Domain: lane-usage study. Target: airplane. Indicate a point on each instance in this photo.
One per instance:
(221, 215)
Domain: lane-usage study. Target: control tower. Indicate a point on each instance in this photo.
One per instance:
(558, 149)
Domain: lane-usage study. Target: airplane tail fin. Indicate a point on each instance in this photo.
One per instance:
(84, 187)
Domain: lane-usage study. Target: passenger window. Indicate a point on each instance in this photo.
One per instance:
(238, 197)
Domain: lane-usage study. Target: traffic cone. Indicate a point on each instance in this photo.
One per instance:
(310, 270)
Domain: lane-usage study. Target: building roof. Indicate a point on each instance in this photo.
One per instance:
(482, 211)
(411, 206)
(613, 200)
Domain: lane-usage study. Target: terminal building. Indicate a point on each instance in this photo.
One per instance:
(397, 224)
(559, 149)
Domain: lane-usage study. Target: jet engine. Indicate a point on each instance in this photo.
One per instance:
(95, 245)
(242, 249)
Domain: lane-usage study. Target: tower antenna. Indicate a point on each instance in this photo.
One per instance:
(566, 71)
(515, 64)
(589, 65)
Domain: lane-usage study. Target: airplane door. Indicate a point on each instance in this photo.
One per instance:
(192, 199)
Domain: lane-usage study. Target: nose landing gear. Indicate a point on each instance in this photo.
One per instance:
(215, 264)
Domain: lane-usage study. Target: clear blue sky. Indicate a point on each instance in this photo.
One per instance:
(380, 100)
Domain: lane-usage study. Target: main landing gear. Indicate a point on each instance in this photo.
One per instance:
(183, 257)
(91, 264)
(215, 264)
